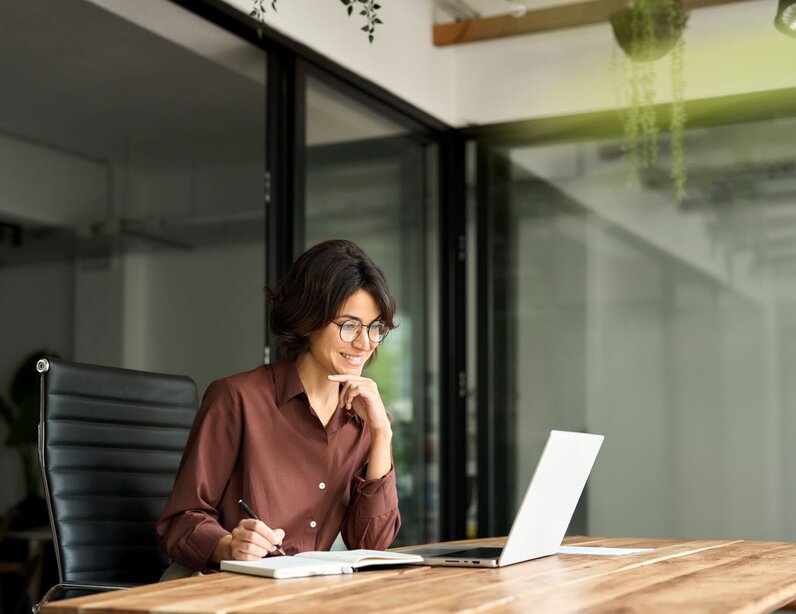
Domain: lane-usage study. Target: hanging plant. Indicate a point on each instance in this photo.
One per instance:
(367, 9)
(646, 31)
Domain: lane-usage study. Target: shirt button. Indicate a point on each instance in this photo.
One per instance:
(322, 485)
(313, 524)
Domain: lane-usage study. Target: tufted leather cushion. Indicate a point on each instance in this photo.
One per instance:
(110, 444)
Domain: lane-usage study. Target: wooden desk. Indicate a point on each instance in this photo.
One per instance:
(694, 576)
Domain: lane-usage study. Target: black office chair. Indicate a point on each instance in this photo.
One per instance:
(110, 443)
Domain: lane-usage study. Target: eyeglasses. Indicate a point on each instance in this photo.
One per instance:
(351, 329)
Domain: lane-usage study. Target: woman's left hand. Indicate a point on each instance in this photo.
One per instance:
(361, 395)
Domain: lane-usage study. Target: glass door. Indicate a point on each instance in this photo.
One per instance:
(668, 329)
(369, 179)
(132, 152)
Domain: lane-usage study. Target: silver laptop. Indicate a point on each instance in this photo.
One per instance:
(545, 512)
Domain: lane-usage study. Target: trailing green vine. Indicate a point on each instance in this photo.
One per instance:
(678, 117)
(368, 9)
(646, 31)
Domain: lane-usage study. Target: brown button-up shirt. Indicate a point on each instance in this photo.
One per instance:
(256, 438)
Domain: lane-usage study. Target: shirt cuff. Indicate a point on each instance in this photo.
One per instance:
(200, 546)
(375, 497)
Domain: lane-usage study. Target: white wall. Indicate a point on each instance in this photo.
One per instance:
(49, 186)
(192, 32)
(402, 57)
(537, 75)
(680, 373)
(41, 185)
(98, 309)
(198, 312)
(680, 386)
(195, 310)
(35, 313)
(569, 71)
(584, 172)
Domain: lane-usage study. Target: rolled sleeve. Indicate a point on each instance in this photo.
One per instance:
(201, 538)
(373, 517)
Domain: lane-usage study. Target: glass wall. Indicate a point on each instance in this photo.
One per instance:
(370, 181)
(131, 193)
(668, 329)
(132, 217)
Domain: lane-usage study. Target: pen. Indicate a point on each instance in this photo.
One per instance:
(248, 511)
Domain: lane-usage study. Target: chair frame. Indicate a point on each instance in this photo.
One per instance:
(42, 366)
(58, 590)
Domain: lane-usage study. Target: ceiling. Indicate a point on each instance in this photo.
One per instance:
(78, 78)
(143, 86)
(145, 83)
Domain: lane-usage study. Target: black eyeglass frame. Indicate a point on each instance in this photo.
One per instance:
(360, 326)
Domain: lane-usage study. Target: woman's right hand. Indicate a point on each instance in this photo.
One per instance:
(253, 539)
(249, 541)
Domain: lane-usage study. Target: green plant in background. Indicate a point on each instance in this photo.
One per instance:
(646, 31)
(386, 371)
(367, 8)
(21, 415)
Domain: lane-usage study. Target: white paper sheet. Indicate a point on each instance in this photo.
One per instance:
(600, 551)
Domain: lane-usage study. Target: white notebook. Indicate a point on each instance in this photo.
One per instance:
(318, 563)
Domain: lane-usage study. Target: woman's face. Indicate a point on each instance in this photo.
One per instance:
(335, 356)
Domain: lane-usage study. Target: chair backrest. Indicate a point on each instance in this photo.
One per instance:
(110, 443)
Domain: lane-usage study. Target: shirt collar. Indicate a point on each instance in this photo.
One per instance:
(287, 383)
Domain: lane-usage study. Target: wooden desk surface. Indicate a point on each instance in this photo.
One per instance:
(692, 576)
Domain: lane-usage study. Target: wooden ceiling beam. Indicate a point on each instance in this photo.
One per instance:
(540, 20)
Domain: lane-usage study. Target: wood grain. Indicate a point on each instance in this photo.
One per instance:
(541, 20)
(693, 576)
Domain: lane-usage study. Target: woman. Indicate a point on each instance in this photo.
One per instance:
(306, 442)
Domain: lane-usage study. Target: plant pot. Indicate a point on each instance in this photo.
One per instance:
(647, 29)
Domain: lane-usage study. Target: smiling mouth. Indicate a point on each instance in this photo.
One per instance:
(354, 360)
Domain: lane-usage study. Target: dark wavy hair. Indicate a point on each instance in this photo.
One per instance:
(312, 292)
